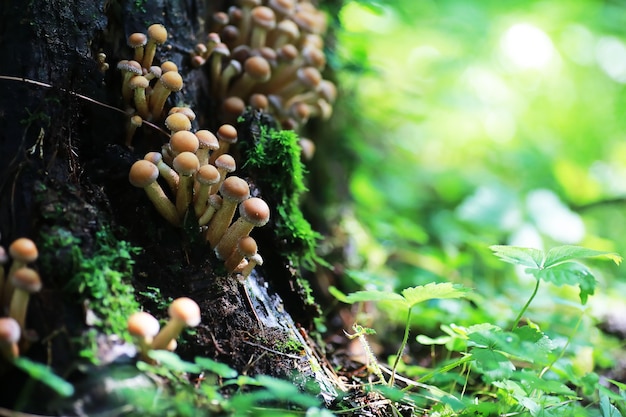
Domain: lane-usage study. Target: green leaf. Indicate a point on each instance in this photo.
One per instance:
(566, 253)
(45, 375)
(516, 255)
(217, 368)
(425, 340)
(373, 295)
(492, 364)
(569, 273)
(173, 362)
(608, 409)
(415, 295)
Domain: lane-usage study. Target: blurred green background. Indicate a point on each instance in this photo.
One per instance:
(476, 123)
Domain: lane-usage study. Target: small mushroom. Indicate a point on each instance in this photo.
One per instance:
(169, 82)
(246, 247)
(139, 84)
(184, 312)
(256, 70)
(157, 35)
(186, 164)
(226, 136)
(234, 190)
(206, 177)
(137, 41)
(253, 261)
(263, 20)
(134, 122)
(22, 251)
(225, 164)
(144, 174)
(183, 141)
(129, 70)
(253, 212)
(165, 171)
(26, 281)
(176, 122)
(214, 204)
(10, 333)
(207, 142)
(143, 327)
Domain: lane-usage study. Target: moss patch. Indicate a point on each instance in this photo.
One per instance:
(274, 156)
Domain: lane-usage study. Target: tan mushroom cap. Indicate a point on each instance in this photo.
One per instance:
(184, 141)
(143, 325)
(26, 279)
(186, 163)
(138, 81)
(130, 66)
(263, 17)
(208, 175)
(177, 122)
(143, 173)
(187, 111)
(168, 66)
(157, 33)
(226, 163)
(23, 250)
(207, 139)
(255, 211)
(257, 68)
(235, 189)
(186, 310)
(171, 80)
(227, 133)
(247, 246)
(10, 331)
(137, 40)
(283, 7)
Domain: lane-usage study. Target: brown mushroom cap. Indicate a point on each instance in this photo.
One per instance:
(247, 246)
(137, 40)
(26, 279)
(208, 175)
(10, 331)
(171, 80)
(227, 133)
(257, 68)
(206, 139)
(168, 66)
(186, 163)
(183, 141)
(23, 250)
(187, 111)
(143, 325)
(143, 173)
(176, 122)
(226, 163)
(255, 211)
(235, 189)
(263, 17)
(186, 310)
(157, 33)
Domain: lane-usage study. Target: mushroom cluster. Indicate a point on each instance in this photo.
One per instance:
(148, 335)
(146, 87)
(196, 170)
(268, 55)
(16, 286)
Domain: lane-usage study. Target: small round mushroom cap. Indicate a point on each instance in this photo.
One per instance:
(157, 33)
(207, 139)
(208, 175)
(257, 68)
(247, 246)
(143, 173)
(227, 133)
(186, 163)
(143, 325)
(283, 7)
(255, 211)
(138, 82)
(169, 66)
(263, 17)
(186, 310)
(176, 122)
(235, 189)
(131, 66)
(171, 80)
(226, 163)
(187, 111)
(259, 101)
(26, 279)
(137, 40)
(10, 331)
(23, 250)
(184, 141)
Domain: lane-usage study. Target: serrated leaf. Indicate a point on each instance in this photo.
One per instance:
(492, 364)
(516, 255)
(217, 368)
(567, 252)
(45, 375)
(415, 295)
(568, 273)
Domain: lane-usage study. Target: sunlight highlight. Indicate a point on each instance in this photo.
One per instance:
(527, 46)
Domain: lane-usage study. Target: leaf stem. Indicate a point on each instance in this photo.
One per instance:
(521, 313)
(405, 339)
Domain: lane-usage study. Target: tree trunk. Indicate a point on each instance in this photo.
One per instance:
(64, 184)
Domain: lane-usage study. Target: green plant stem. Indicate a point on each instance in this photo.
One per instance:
(521, 313)
(405, 339)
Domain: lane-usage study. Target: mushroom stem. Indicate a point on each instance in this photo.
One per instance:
(184, 312)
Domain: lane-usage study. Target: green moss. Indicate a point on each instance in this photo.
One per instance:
(274, 156)
(101, 278)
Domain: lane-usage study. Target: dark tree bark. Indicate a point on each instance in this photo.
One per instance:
(64, 168)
